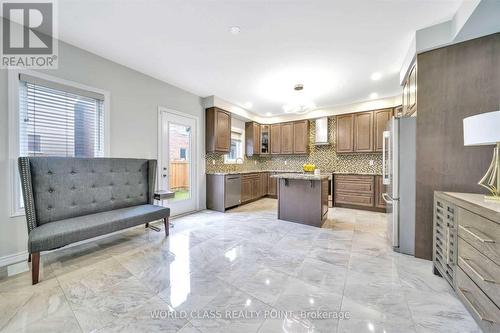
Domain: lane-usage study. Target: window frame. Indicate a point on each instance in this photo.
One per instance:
(227, 160)
(16, 209)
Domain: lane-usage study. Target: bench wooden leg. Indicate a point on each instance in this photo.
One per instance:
(167, 226)
(35, 267)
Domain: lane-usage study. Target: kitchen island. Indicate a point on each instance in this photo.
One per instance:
(302, 198)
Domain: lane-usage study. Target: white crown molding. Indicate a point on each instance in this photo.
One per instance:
(245, 115)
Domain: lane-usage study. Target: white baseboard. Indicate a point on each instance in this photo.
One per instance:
(13, 258)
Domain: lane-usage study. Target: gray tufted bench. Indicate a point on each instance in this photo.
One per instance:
(72, 199)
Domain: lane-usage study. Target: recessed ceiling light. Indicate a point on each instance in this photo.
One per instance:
(234, 30)
(247, 105)
(373, 95)
(376, 76)
(298, 87)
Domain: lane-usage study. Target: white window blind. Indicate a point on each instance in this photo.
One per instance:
(56, 120)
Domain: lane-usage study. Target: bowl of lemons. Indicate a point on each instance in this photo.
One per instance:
(309, 167)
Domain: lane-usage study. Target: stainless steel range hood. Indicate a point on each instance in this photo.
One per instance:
(321, 136)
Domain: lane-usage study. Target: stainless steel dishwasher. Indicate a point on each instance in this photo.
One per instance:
(232, 184)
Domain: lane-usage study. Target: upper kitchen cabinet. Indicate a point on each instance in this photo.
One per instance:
(265, 139)
(363, 132)
(287, 138)
(218, 130)
(252, 138)
(410, 92)
(300, 136)
(380, 120)
(276, 139)
(344, 133)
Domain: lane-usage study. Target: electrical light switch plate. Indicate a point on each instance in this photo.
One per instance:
(371, 162)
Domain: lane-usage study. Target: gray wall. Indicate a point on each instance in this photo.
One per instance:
(135, 98)
(454, 82)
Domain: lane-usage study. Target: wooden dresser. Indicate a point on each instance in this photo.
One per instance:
(466, 252)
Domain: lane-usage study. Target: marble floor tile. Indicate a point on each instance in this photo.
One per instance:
(239, 271)
(96, 310)
(38, 306)
(191, 291)
(143, 319)
(264, 284)
(439, 312)
(329, 277)
(366, 318)
(301, 296)
(377, 293)
(240, 312)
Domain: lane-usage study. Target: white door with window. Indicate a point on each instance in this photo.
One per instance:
(177, 143)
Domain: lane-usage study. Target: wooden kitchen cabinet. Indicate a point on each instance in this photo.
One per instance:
(282, 138)
(356, 191)
(218, 130)
(379, 189)
(246, 189)
(287, 138)
(264, 180)
(252, 138)
(380, 120)
(363, 132)
(276, 139)
(272, 189)
(301, 137)
(256, 186)
(410, 92)
(344, 133)
(251, 186)
(265, 139)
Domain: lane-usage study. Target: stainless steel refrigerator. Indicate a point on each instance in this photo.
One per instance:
(398, 172)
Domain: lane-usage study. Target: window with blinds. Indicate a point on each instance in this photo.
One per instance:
(58, 120)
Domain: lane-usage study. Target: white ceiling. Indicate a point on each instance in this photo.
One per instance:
(330, 46)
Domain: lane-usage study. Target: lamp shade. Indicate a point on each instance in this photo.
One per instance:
(482, 129)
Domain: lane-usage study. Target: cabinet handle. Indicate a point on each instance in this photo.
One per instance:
(477, 234)
(473, 267)
(479, 313)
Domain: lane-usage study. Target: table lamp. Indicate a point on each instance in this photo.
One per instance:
(484, 129)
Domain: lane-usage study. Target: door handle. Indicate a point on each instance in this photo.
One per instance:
(387, 198)
(384, 161)
(164, 176)
(477, 234)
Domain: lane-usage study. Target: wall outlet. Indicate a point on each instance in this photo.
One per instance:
(371, 162)
(213, 162)
(285, 162)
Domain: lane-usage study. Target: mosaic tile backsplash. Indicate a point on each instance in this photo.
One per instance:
(324, 157)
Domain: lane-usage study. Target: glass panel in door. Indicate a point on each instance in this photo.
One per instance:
(179, 161)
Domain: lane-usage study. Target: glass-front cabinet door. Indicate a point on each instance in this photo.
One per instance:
(264, 139)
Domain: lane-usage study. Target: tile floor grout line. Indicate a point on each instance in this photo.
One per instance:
(68, 302)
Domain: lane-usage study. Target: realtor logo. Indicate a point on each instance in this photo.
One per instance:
(28, 35)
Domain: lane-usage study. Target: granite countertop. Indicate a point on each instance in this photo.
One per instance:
(357, 173)
(292, 171)
(248, 171)
(301, 176)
